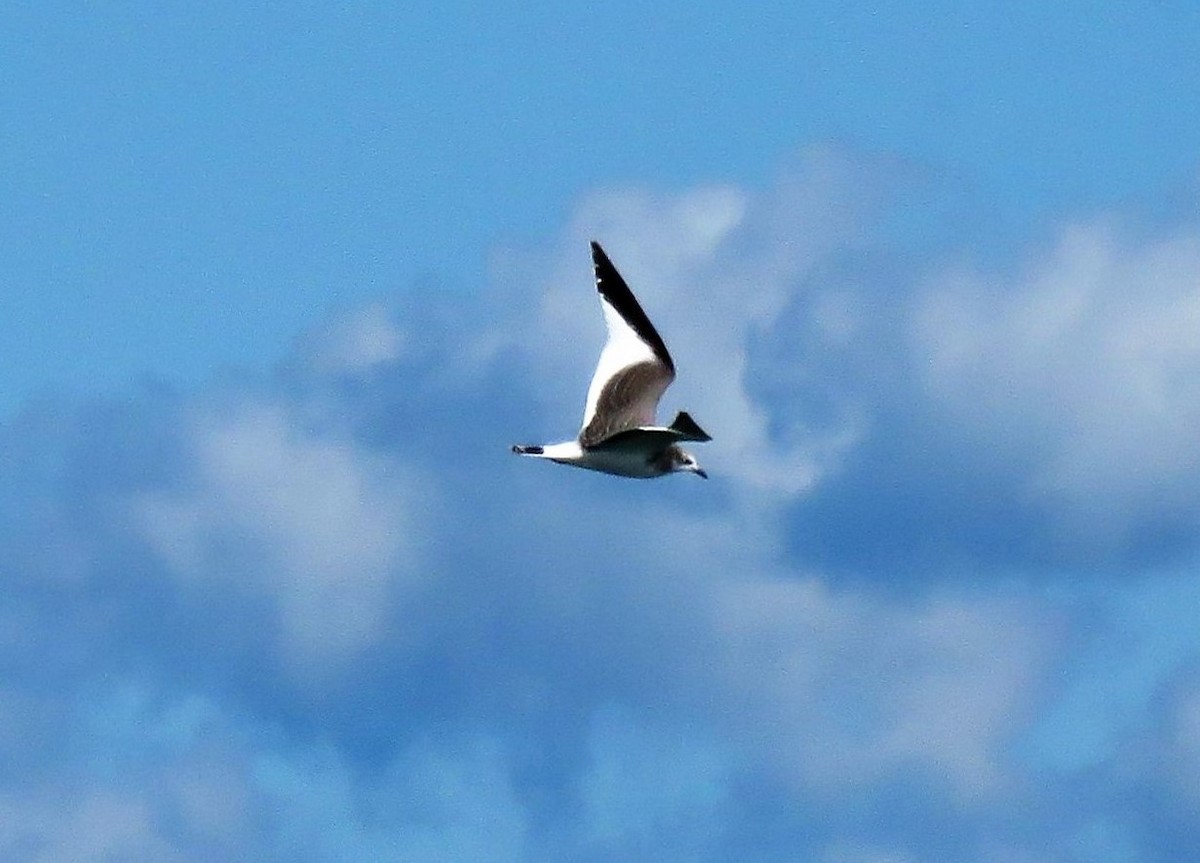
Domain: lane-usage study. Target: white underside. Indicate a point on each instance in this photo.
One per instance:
(629, 463)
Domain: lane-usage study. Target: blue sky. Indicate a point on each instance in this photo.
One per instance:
(282, 282)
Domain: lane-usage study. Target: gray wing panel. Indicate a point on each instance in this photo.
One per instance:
(627, 401)
(651, 441)
(644, 438)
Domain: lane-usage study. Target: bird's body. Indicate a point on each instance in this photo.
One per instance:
(619, 434)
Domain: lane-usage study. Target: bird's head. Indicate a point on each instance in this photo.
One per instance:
(683, 461)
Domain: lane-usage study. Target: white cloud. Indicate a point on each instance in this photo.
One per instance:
(435, 801)
(829, 689)
(1085, 362)
(1182, 743)
(655, 644)
(96, 828)
(646, 785)
(355, 341)
(328, 530)
(842, 689)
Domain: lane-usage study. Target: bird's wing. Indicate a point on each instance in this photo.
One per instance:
(635, 368)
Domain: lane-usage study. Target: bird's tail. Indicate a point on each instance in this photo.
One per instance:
(688, 428)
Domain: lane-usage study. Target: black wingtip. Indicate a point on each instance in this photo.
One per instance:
(601, 263)
(613, 288)
(527, 450)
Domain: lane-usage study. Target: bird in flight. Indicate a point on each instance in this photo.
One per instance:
(619, 435)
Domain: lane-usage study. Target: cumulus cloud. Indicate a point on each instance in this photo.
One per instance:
(1088, 361)
(846, 690)
(324, 615)
(1038, 416)
(270, 507)
(97, 827)
(354, 342)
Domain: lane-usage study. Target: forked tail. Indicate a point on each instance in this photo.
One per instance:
(688, 429)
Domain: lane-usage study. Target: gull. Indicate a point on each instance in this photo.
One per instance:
(619, 435)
